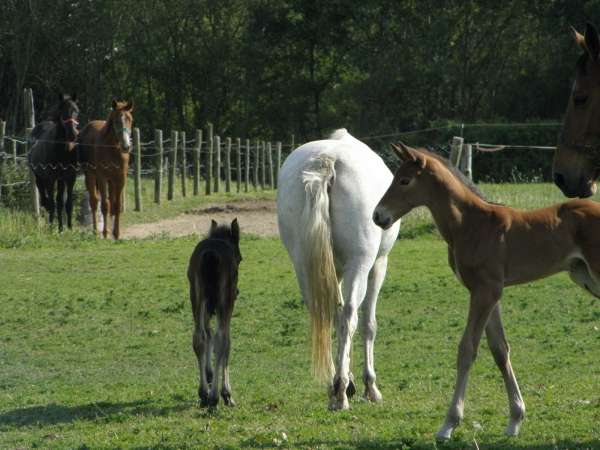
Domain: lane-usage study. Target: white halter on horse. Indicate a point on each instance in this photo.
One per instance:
(327, 191)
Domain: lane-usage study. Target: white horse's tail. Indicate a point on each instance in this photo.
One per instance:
(323, 294)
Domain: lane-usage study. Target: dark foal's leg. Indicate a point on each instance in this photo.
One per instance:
(69, 204)
(60, 198)
(222, 348)
(199, 341)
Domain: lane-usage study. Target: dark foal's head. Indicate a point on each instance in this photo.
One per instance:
(66, 116)
(121, 121)
(229, 233)
(576, 164)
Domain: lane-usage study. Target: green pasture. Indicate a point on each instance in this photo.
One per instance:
(19, 229)
(95, 352)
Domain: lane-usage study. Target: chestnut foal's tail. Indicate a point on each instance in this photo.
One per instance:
(324, 296)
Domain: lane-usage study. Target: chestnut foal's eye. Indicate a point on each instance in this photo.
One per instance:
(404, 181)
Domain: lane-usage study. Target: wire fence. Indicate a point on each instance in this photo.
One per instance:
(211, 164)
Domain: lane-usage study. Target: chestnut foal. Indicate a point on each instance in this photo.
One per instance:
(491, 246)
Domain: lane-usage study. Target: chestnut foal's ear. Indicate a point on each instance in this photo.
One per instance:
(114, 104)
(213, 226)
(402, 151)
(235, 230)
(129, 106)
(592, 42)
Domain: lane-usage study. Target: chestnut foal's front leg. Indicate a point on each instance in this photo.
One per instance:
(483, 301)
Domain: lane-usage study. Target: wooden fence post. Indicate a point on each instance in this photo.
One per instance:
(466, 162)
(29, 124)
(228, 165)
(183, 165)
(158, 174)
(172, 165)
(456, 150)
(2, 154)
(137, 180)
(256, 164)
(263, 177)
(13, 151)
(270, 163)
(238, 159)
(247, 168)
(197, 153)
(209, 160)
(218, 164)
(278, 165)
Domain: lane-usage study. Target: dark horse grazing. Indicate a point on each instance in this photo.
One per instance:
(490, 247)
(53, 158)
(213, 276)
(576, 164)
(104, 155)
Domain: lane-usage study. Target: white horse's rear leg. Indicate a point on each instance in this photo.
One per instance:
(369, 326)
(354, 288)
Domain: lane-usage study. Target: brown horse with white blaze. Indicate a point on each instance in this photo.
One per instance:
(104, 147)
(576, 164)
(492, 246)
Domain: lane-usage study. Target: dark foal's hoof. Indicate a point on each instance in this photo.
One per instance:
(213, 401)
(227, 399)
(351, 389)
(203, 396)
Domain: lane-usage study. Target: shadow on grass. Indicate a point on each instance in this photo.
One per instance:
(413, 444)
(101, 411)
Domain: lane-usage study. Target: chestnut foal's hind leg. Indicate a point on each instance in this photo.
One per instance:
(482, 303)
(501, 352)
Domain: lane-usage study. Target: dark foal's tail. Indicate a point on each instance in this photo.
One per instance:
(209, 272)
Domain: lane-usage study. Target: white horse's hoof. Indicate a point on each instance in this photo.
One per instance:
(336, 404)
(372, 394)
(513, 428)
(445, 432)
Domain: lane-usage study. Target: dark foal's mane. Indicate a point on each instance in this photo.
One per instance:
(222, 232)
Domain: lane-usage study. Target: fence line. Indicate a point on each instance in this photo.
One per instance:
(256, 163)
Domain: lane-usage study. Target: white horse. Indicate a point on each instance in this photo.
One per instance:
(327, 191)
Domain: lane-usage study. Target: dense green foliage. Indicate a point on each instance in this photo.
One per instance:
(274, 67)
(95, 352)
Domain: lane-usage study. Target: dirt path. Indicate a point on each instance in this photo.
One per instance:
(255, 217)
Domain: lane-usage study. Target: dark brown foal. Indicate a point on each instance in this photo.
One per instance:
(213, 276)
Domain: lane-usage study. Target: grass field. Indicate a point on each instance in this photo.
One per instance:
(95, 352)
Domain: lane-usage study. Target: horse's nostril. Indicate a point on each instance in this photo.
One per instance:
(376, 217)
(559, 180)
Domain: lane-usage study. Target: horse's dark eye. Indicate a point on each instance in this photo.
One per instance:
(580, 100)
(404, 181)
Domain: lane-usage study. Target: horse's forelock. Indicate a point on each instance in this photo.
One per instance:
(221, 232)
